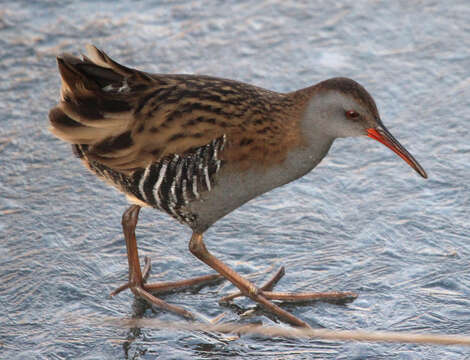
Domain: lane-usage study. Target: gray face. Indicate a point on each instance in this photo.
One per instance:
(341, 108)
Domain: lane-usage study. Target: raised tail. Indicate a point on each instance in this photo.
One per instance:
(96, 106)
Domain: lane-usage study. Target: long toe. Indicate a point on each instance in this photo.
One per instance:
(332, 296)
(181, 285)
(268, 286)
(138, 291)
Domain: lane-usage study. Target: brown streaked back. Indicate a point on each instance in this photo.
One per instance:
(129, 119)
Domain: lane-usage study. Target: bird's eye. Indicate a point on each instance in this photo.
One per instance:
(352, 114)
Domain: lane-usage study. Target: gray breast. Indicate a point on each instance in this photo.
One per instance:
(235, 187)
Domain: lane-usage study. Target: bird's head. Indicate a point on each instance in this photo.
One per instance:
(341, 107)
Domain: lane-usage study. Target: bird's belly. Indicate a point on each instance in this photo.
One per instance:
(233, 187)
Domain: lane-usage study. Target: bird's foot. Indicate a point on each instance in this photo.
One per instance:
(268, 286)
(266, 291)
(137, 278)
(145, 275)
(247, 288)
(145, 291)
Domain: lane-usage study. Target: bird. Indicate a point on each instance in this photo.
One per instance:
(198, 147)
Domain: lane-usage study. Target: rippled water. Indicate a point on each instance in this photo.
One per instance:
(361, 221)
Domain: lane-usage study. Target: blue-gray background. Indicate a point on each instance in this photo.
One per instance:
(362, 221)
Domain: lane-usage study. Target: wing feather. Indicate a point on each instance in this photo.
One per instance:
(129, 118)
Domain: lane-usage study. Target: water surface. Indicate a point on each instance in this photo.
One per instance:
(362, 221)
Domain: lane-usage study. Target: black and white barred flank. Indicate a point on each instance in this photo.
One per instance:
(173, 182)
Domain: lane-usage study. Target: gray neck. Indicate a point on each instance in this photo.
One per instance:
(315, 148)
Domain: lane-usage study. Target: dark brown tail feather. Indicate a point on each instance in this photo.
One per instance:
(97, 98)
(93, 76)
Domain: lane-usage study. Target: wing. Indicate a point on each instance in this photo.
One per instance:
(128, 119)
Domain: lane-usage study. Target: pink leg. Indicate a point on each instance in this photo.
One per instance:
(137, 279)
(198, 248)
